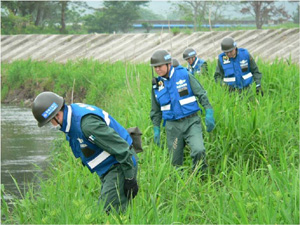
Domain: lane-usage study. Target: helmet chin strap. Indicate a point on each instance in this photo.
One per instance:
(56, 120)
(167, 74)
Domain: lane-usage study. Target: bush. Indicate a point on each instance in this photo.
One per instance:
(175, 31)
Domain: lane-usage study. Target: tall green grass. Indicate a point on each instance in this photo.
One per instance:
(253, 154)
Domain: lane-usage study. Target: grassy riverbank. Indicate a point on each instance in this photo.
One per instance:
(253, 153)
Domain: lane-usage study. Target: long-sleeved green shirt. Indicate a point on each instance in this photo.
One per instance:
(198, 90)
(219, 73)
(110, 141)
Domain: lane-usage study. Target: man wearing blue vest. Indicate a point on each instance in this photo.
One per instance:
(174, 94)
(236, 68)
(195, 64)
(102, 144)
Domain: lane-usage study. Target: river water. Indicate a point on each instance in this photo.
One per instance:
(25, 149)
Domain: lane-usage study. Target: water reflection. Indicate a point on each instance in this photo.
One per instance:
(24, 148)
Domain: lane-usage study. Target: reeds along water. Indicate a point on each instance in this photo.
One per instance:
(252, 154)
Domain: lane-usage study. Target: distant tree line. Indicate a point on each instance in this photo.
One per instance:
(261, 11)
(40, 16)
(67, 17)
(75, 17)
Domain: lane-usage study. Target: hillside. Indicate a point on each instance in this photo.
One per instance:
(266, 44)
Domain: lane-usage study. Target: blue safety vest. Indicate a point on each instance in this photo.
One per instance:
(175, 95)
(95, 158)
(196, 66)
(237, 70)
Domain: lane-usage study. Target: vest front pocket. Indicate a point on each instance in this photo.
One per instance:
(189, 105)
(228, 71)
(163, 97)
(247, 79)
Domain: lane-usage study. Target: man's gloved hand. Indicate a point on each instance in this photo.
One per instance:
(156, 135)
(259, 90)
(209, 120)
(131, 188)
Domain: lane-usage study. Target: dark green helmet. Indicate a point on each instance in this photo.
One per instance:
(188, 53)
(175, 62)
(45, 106)
(228, 44)
(160, 57)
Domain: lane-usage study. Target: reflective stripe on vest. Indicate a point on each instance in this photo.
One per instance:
(106, 118)
(195, 64)
(69, 117)
(248, 75)
(229, 79)
(104, 155)
(99, 159)
(165, 107)
(187, 100)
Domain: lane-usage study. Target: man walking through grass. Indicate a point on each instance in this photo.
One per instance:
(195, 64)
(236, 68)
(102, 144)
(174, 94)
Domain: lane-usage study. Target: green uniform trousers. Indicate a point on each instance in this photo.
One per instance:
(112, 188)
(185, 131)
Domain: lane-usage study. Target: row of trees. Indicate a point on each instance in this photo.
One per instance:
(54, 16)
(262, 11)
(118, 16)
(39, 16)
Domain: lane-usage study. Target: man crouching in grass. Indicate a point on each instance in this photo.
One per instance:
(102, 144)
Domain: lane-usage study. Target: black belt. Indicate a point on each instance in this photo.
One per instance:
(189, 116)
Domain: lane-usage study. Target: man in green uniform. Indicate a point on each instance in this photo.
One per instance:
(174, 95)
(236, 68)
(195, 64)
(102, 144)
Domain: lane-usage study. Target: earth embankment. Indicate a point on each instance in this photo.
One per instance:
(266, 44)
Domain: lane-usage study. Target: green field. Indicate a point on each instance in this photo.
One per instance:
(253, 154)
